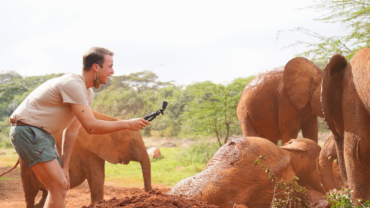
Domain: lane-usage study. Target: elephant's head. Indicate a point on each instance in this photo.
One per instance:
(118, 147)
(327, 155)
(302, 81)
(304, 154)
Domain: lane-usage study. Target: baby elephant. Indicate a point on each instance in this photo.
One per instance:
(231, 178)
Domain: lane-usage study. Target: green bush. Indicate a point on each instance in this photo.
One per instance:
(342, 199)
(200, 153)
(293, 194)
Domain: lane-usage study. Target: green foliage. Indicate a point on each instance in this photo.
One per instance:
(294, 194)
(13, 90)
(199, 153)
(342, 199)
(138, 94)
(354, 16)
(4, 131)
(213, 109)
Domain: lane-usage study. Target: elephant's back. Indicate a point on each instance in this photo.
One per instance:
(264, 82)
(260, 101)
(230, 176)
(262, 92)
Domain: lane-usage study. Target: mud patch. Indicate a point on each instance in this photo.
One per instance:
(150, 199)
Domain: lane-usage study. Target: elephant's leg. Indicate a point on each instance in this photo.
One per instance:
(288, 130)
(41, 202)
(289, 120)
(30, 184)
(94, 171)
(247, 127)
(356, 143)
(357, 166)
(310, 129)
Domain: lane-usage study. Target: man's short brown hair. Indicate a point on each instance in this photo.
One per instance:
(94, 56)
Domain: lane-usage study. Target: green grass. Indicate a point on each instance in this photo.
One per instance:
(163, 170)
(9, 159)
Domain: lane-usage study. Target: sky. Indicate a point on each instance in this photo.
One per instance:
(181, 41)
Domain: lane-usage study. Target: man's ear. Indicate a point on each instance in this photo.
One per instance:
(95, 67)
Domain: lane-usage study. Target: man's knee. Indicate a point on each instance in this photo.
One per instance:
(59, 186)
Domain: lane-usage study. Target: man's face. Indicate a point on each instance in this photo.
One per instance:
(107, 70)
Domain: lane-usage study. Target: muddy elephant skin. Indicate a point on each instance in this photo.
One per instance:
(88, 161)
(346, 106)
(277, 104)
(231, 178)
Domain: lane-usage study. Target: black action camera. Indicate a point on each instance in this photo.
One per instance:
(152, 116)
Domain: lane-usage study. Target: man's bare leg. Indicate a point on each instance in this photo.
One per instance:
(51, 175)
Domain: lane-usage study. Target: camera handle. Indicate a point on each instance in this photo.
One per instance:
(152, 116)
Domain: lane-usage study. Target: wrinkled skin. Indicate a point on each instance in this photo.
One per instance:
(88, 161)
(277, 104)
(231, 178)
(346, 105)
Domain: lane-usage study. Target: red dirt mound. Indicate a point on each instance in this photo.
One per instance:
(150, 200)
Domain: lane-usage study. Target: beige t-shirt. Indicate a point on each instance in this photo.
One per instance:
(49, 108)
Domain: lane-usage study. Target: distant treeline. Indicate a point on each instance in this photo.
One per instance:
(199, 109)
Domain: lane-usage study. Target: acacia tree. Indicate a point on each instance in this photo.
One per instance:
(213, 108)
(353, 14)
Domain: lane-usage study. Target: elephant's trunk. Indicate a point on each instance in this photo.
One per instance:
(146, 169)
(327, 155)
(340, 154)
(326, 170)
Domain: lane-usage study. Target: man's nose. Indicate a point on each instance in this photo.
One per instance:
(112, 71)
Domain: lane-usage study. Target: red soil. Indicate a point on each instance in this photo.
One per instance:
(149, 200)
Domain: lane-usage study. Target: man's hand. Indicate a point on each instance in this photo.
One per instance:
(138, 123)
(66, 174)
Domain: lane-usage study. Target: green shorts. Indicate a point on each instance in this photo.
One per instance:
(33, 145)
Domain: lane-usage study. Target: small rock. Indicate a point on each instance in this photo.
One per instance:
(154, 152)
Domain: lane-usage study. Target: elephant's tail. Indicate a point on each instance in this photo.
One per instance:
(11, 169)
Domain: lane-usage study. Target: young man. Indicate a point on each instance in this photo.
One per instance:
(59, 104)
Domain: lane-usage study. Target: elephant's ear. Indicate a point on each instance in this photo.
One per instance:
(293, 145)
(361, 75)
(301, 78)
(331, 93)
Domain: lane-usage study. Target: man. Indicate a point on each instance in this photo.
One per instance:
(59, 104)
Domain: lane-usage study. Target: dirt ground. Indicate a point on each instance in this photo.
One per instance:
(12, 196)
(151, 200)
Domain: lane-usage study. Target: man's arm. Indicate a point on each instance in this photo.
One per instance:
(94, 126)
(70, 135)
